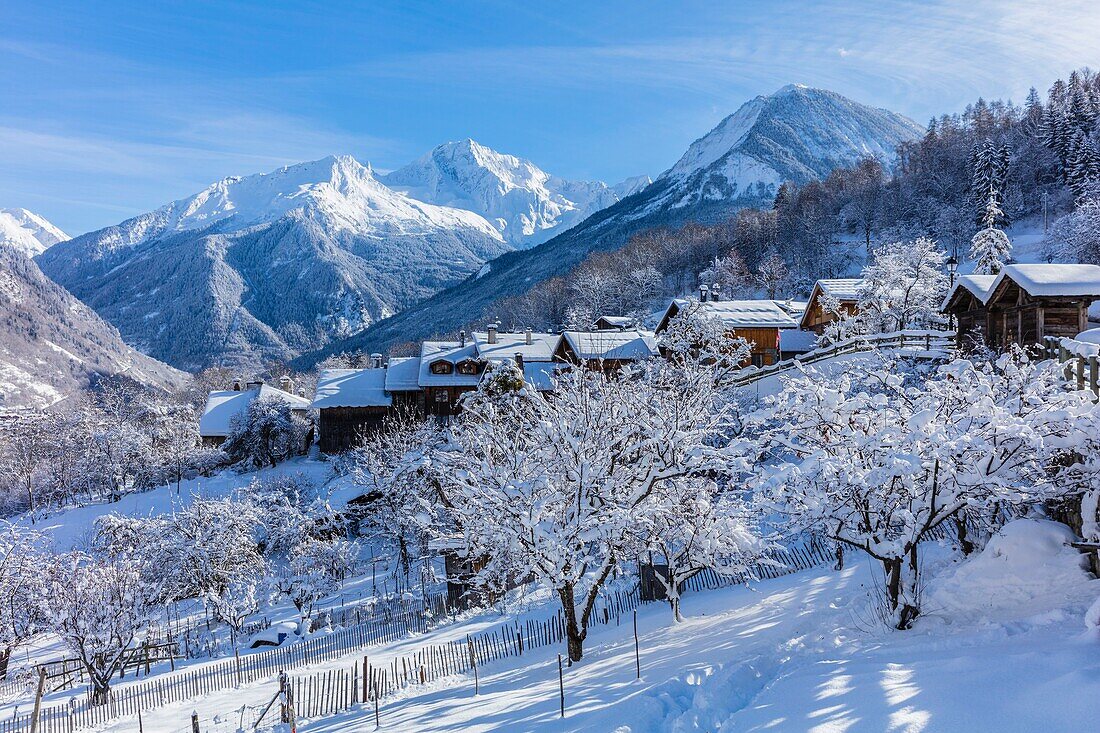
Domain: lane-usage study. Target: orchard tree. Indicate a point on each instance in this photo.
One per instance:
(903, 287)
(559, 489)
(24, 568)
(696, 338)
(401, 505)
(98, 609)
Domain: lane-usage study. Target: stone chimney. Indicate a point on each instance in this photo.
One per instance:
(715, 292)
(528, 337)
(491, 331)
(462, 337)
(286, 384)
(703, 292)
(375, 361)
(519, 360)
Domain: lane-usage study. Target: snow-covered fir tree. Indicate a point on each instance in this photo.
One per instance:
(990, 249)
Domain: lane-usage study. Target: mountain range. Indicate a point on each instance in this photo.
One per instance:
(272, 265)
(796, 134)
(53, 345)
(327, 256)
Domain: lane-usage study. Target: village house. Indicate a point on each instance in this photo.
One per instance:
(759, 322)
(844, 291)
(223, 407)
(1026, 303)
(606, 349)
(350, 404)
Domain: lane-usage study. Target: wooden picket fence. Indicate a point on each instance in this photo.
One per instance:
(226, 674)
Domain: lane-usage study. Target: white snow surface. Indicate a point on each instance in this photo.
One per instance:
(626, 345)
(1052, 279)
(337, 191)
(526, 204)
(28, 232)
(351, 388)
(1001, 647)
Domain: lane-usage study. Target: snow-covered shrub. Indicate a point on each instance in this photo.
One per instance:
(401, 500)
(266, 433)
(314, 569)
(696, 338)
(878, 460)
(24, 569)
(903, 287)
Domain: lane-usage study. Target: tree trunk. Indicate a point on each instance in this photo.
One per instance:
(901, 589)
(101, 687)
(5, 657)
(839, 556)
(964, 542)
(573, 633)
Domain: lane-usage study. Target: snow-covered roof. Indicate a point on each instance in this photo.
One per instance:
(351, 388)
(1052, 280)
(540, 374)
(749, 313)
(797, 340)
(508, 345)
(452, 351)
(625, 345)
(980, 285)
(846, 288)
(403, 374)
(615, 321)
(793, 308)
(224, 405)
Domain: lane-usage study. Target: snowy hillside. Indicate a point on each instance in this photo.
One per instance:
(525, 203)
(269, 265)
(52, 345)
(795, 134)
(28, 232)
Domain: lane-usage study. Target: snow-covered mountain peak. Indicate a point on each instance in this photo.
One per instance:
(525, 203)
(28, 232)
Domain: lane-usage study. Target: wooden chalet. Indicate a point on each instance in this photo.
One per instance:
(1028, 302)
(350, 404)
(608, 350)
(224, 406)
(815, 316)
(403, 384)
(757, 321)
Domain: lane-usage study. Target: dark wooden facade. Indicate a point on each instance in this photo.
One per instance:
(343, 428)
(970, 315)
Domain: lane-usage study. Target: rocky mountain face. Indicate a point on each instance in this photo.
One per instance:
(52, 345)
(271, 265)
(28, 232)
(526, 204)
(795, 134)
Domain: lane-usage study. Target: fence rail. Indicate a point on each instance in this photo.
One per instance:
(1081, 360)
(928, 341)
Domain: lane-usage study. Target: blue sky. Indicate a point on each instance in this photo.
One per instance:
(108, 109)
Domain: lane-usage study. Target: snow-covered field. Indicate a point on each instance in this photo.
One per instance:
(1002, 647)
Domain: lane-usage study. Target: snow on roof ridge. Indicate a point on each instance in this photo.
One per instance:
(1051, 279)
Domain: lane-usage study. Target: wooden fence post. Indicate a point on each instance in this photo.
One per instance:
(561, 686)
(473, 664)
(1094, 374)
(637, 652)
(195, 721)
(1080, 372)
(38, 698)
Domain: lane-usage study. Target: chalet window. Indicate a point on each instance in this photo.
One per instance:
(441, 367)
(469, 366)
(758, 360)
(442, 395)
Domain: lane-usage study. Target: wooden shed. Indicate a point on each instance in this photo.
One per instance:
(965, 304)
(1030, 301)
